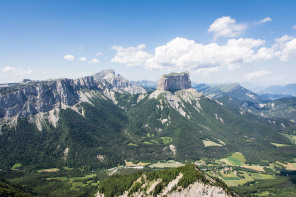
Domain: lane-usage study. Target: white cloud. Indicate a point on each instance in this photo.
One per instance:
(285, 47)
(255, 74)
(226, 27)
(99, 53)
(266, 19)
(14, 70)
(294, 27)
(69, 57)
(93, 61)
(80, 48)
(83, 59)
(181, 53)
(131, 56)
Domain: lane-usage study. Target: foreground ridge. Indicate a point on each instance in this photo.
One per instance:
(183, 181)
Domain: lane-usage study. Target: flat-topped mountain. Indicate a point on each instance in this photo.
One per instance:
(174, 81)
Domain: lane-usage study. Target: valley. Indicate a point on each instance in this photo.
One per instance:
(66, 137)
(232, 170)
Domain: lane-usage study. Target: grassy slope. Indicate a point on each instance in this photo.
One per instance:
(107, 130)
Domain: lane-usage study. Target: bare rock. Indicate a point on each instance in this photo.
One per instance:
(33, 97)
(174, 81)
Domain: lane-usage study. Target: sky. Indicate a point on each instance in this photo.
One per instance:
(249, 42)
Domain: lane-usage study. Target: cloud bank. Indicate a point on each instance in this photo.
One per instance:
(184, 54)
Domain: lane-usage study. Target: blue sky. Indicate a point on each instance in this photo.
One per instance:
(250, 42)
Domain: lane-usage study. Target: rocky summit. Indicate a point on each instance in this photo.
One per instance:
(32, 97)
(174, 81)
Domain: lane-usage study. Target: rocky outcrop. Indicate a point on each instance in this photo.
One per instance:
(177, 99)
(204, 186)
(32, 97)
(174, 81)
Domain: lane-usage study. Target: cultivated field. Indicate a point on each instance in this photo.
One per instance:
(210, 143)
(49, 170)
(170, 164)
(131, 164)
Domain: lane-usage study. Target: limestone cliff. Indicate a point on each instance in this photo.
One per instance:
(174, 81)
(33, 97)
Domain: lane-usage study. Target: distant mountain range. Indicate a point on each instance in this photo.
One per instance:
(233, 90)
(287, 90)
(146, 83)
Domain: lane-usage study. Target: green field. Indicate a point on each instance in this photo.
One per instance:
(132, 144)
(166, 140)
(246, 177)
(210, 143)
(76, 183)
(16, 166)
(154, 141)
(230, 178)
(49, 170)
(147, 142)
(280, 145)
(169, 164)
(236, 159)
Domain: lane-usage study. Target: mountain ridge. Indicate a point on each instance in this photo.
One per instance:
(107, 127)
(289, 90)
(35, 97)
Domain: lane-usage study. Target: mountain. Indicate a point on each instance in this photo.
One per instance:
(174, 81)
(288, 90)
(283, 108)
(101, 120)
(233, 90)
(37, 97)
(182, 181)
(274, 96)
(145, 83)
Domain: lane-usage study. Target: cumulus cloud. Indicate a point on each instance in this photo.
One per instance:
(255, 74)
(69, 57)
(131, 56)
(83, 59)
(99, 53)
(93, 61)
(181, 53)
(285, 47)
(266, 19)
(14, 70)
(294, 27)
(80, 48)
(226, 27)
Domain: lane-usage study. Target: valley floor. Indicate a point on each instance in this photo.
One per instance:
(246, 180)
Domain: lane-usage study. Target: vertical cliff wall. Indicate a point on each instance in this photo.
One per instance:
(174, 81)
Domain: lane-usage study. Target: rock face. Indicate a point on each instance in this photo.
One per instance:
(202, 187)
(174, 81)
(32, 97)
